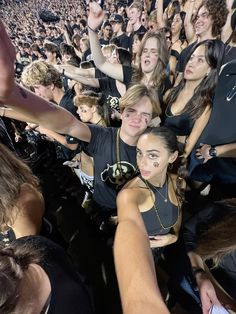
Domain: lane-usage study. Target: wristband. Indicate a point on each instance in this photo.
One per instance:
(93, 30)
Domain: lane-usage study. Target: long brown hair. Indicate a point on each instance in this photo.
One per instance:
(220, 239)
(159, 74)
(13, 173)
(204, 92)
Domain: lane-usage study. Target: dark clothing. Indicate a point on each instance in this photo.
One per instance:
(180, 124)
(109, 89)
(161, 217)
(67, 101)
(122, 41)
(220, 130)
(141, 30)
(104, 42)
(200, 223)
(69, 293)
(87, 56)
(112, 168)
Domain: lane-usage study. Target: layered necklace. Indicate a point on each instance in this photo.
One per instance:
(165, 198)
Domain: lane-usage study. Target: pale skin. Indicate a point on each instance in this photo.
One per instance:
(137, 278)
(210, 290)
(195, 71)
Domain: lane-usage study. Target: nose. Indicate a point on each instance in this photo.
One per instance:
(137, 117)
(142, 162)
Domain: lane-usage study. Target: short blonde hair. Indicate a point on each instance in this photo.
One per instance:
(138, 91)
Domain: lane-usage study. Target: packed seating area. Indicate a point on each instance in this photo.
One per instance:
(117, 156)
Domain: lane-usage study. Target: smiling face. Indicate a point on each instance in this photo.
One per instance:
(203, 24)
(153, 157)
(134, 16)
(149, 55)
(136, 118)
(197, 67)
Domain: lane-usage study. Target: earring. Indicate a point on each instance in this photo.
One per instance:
(170, 166)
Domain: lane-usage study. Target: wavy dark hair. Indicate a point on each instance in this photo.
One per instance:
(218, 12)
(204, 92)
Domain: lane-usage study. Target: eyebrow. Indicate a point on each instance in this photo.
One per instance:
(201, 56)
(153, 150)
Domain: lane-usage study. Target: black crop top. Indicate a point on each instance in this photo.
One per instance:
(167, 212)
(180, 124)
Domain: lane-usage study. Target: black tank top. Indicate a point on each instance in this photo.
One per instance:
(180, 124)
(168, 212)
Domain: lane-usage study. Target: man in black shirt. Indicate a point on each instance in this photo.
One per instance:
(120, 38)
(135, 15)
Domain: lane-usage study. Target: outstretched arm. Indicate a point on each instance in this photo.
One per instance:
(26, 103)
(134, 262)
(95, 19)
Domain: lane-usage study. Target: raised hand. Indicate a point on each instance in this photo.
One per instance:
(96, 15)
(7, 60)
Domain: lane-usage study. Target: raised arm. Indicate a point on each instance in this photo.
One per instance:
(188, 25)
(134, 262)
(160, 14)
(95, 19)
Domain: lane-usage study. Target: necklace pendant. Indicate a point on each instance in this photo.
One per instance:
(165, 200)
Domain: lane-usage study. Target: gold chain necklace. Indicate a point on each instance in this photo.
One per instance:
(156, 209)
(118, 162)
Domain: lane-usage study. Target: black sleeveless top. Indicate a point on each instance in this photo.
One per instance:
(180, 124)
(168, 212)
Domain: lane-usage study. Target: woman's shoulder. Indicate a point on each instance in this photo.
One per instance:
(29, 195)
(134, 189)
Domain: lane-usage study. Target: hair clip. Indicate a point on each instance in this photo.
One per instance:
(231, 94)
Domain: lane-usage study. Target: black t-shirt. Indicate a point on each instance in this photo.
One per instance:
(141, 30)
(69, 294)
(104, 42)
(67, 101)
(108, 179)
(122, 41)
(220, 128)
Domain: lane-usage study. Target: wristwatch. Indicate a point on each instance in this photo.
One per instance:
(212, 151)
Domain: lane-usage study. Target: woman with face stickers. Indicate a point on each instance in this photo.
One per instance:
(189, 104)
(155, 193)
(90, 110)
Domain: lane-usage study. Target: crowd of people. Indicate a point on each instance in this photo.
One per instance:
(138, 99)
